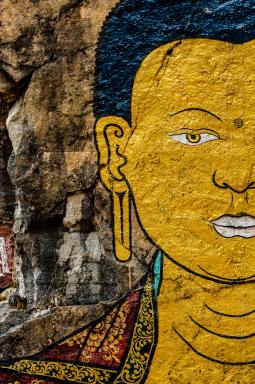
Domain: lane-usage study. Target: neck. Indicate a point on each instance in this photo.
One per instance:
(203, 321)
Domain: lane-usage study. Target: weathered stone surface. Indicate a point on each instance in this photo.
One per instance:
(30, 332)
(7, 204)
(192, 319)
(62, 220)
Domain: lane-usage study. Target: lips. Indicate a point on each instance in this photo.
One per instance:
(235, 226)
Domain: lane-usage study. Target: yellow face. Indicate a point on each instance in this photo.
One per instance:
(190, 155)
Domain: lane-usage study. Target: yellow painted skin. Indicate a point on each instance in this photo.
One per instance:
(177, 165)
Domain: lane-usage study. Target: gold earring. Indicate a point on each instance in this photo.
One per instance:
(121, 211)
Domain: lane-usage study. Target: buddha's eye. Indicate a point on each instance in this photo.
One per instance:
(194, 137)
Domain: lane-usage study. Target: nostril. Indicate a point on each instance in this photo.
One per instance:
(225, 185)
(222, 186)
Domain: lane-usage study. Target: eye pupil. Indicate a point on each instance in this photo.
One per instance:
(193, 138)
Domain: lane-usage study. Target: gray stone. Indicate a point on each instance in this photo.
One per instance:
(64, 268)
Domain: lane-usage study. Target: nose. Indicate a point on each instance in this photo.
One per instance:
(227, 185)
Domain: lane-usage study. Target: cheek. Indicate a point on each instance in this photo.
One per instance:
(168, 172)
(173, 183)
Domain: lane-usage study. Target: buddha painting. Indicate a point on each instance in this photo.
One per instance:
(175, 133)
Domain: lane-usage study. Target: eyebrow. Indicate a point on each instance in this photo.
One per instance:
(197, 109)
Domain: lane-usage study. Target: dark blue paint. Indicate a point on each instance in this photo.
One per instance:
(136, 27)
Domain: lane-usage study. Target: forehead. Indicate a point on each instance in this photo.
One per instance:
(198, 71)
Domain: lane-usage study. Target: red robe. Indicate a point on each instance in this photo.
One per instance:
(115, 349)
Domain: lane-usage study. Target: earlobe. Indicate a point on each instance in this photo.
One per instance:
(112, 134)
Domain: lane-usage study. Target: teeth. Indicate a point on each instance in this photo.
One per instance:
(236, 222)
(234, 232)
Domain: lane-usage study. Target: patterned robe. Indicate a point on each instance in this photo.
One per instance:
(115, 349)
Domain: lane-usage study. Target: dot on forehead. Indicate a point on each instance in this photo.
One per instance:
(238, 123)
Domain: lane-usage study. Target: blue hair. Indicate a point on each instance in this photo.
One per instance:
(136, 27)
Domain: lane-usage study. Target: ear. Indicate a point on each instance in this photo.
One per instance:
(112, 134)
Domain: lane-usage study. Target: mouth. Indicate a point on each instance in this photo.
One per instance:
(235, 226)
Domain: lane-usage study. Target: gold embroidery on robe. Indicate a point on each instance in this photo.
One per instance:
(142, 343)
(78, 339)
(63, 371)
(136, 362)
(115, 329)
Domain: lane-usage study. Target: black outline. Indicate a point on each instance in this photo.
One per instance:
(92, 324)
(209, 278)
(156, 322)
(239, 122)
(196, 109)
(221, 334)
(210, 358)
(132, 200)
(121, 197)
(228, 315)
(111, 13)
(225, 185)
(225, 278)
(109, 329)
(119, 134)
(116, 371)
(85, 341)
(161, 273)
(176, 262)
(41, 377)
